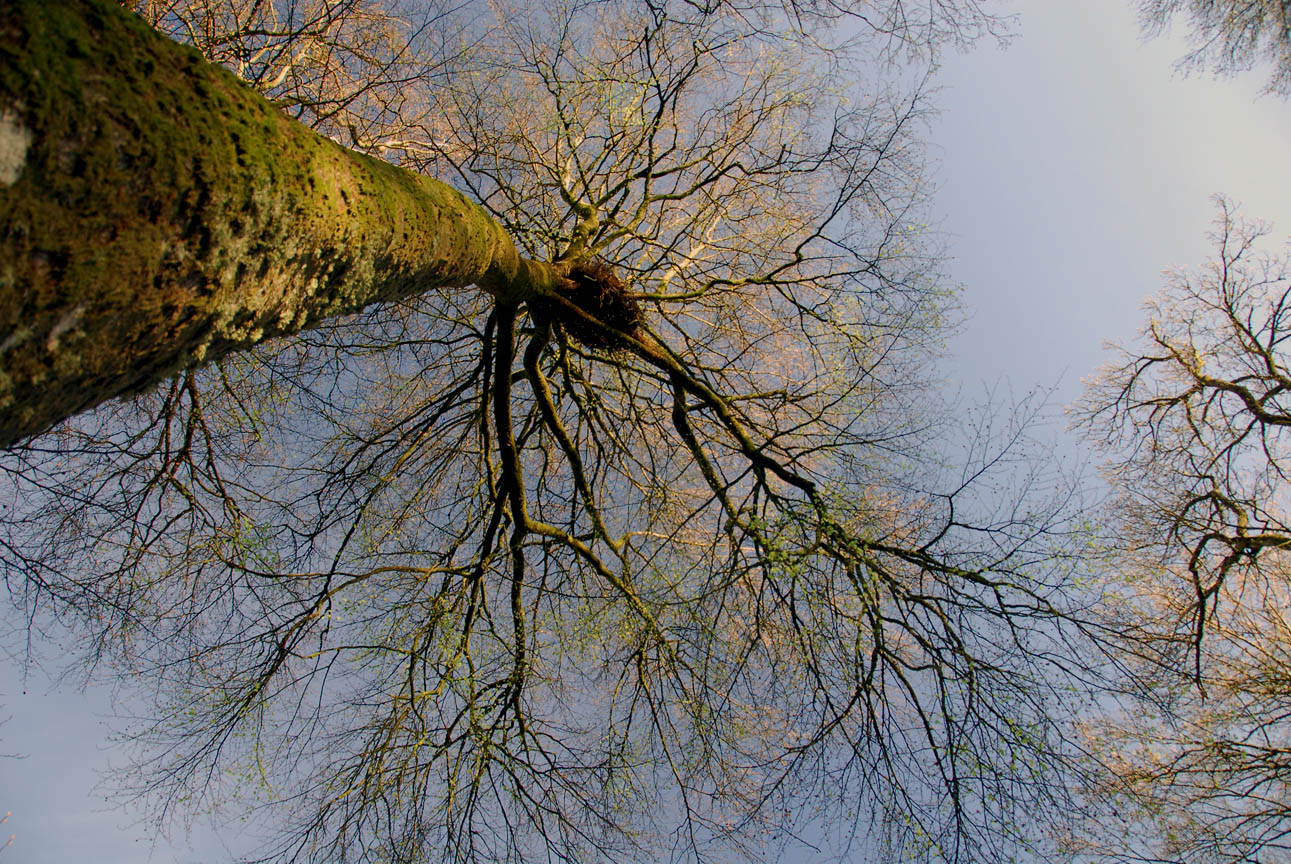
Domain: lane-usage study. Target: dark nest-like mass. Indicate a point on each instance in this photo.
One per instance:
(610, 312)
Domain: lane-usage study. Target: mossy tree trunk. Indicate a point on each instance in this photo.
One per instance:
(156, 213)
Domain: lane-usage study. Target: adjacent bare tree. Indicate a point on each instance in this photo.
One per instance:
(1230, 36)
(1196, 416)
(668, 564)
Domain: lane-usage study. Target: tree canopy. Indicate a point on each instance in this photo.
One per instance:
(1230, 36)
(1193, 417)
(679, 555)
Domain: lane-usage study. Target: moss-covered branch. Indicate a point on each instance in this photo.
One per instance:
(156, 213)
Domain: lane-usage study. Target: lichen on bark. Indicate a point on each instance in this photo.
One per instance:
(163, 214)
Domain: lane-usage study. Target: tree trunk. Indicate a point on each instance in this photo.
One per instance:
(157, 213)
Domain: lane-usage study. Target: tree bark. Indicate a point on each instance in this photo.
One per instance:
(157, 213)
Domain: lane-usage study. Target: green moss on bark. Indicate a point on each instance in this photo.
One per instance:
(161, 213)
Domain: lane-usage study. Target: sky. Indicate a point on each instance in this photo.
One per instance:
(1075, 167)
(1072, 168)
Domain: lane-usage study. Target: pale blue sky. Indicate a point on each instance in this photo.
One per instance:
(1073, 168)
(1077, 165)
